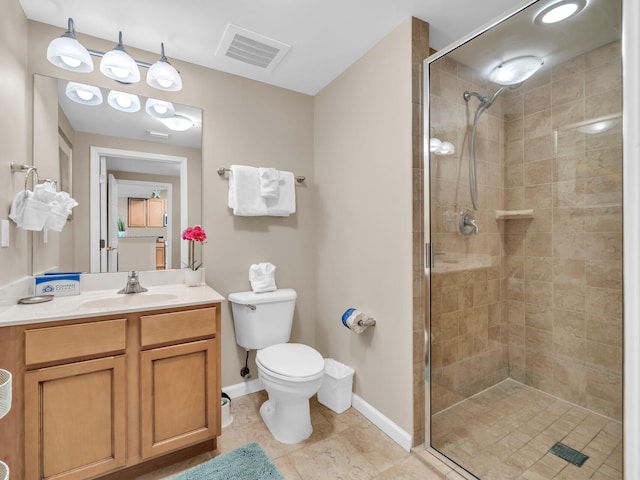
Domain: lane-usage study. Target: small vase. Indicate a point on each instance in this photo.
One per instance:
(121, 233)
(192, 278)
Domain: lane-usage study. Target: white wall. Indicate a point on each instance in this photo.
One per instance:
(362, 140)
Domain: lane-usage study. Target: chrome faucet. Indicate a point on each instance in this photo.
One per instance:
(133, 284)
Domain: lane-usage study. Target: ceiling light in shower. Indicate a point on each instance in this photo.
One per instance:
(516, 70)
(597, 127)
(84, 94)
(559, 11)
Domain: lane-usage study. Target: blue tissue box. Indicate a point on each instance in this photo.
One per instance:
(58, 284)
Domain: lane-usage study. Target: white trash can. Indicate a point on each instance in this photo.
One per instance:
(335, 391)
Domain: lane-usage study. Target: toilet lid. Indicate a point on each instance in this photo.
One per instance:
(291, 359)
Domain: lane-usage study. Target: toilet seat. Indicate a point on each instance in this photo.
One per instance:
(291, 361)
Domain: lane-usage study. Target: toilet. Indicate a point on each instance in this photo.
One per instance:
(290, 372)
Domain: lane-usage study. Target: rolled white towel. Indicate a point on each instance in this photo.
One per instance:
(269, 182)
(262, 277)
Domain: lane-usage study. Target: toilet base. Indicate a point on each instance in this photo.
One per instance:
(287, 422)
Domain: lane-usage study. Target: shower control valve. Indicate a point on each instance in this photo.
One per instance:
(467, 223)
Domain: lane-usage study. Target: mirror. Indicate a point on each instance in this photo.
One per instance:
(127, 170)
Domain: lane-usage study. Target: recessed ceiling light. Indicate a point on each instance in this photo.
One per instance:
(559, 11)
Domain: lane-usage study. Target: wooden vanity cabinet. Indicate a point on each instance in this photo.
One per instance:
(105, 394)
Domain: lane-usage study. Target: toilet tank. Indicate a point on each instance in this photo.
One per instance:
(269, 323)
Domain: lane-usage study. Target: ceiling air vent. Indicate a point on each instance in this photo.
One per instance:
(251, 48)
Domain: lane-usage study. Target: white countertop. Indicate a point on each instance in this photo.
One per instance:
(96, 302)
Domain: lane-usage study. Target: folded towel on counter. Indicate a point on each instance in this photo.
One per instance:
(244, 192)
(269, 182)
(285, 204)
(262, 277)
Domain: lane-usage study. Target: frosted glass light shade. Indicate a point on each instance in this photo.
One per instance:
(84, 94)
(68, 53)
(164, 76)
(516, 70)
(159, 108)
(559, 11)
(125, 102)
(118, 65)
(179, 123)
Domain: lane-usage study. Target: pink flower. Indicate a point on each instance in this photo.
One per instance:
(195, 234)
(192, 235)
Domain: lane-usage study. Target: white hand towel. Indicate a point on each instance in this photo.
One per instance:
(17, 207)
(262, 277)
(35, 214)
(269, 182)
(44, 192)
(285, 204)
(244, 192)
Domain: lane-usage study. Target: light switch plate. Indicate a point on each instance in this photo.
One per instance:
(4, 233)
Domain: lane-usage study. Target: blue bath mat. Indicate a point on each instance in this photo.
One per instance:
(244, 463)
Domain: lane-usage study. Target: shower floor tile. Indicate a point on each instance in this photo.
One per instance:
(506, 431)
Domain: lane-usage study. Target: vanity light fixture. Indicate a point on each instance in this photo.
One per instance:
(516, 70)
(68, 53)
(125, 102)
(84, 94)
(118, 65)
(558, 11)
(163, 75)
(159, 108)
(178, 123)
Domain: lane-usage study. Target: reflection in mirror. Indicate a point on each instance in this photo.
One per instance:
(520, 307)
(142, 148)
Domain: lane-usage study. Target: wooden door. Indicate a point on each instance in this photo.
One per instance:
(75, 419)
(180, 396)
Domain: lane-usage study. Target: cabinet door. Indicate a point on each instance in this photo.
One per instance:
(137, 212)
(155, 212)
(180, 396)
(75, 419)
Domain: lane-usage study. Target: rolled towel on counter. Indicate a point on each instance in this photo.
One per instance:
(269, 182)
(262, 277)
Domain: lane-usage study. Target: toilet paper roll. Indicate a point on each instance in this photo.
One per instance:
(356, 321)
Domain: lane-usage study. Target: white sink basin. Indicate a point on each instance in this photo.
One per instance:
(125, 300)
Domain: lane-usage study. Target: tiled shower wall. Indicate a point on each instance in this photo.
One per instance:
(469, 330)
(541, 300)
(564, 287)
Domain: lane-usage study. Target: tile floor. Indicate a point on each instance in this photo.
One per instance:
(506, 431)
(345, 447)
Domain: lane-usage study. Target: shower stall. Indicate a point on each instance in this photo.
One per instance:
(525, 233)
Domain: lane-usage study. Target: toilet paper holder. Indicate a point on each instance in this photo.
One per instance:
(367, 322)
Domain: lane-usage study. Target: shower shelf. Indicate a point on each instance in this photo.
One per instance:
(513, 214)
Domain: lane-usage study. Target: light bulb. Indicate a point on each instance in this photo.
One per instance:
(124, 102)
(164, 83)
(119, 72)
(70, 61)
(160, 108)
(84, 94)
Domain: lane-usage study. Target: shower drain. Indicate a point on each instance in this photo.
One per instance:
(569, 454)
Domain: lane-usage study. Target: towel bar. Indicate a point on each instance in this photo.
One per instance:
(221, 171)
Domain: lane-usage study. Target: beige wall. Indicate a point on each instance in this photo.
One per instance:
(362, 125)
(350, 242)
(244, 122)
(15, 128)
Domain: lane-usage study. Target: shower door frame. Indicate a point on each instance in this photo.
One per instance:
(631, 236)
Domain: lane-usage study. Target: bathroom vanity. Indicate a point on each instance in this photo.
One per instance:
(116, 384)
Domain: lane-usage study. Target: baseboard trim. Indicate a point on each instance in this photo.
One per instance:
(243, 388)
(391, 429)
(388, 427)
